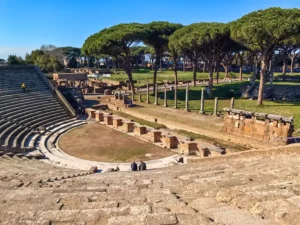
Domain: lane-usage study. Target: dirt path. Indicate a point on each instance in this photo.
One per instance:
(100, 143)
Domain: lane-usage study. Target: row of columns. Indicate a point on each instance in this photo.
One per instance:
(186, 99)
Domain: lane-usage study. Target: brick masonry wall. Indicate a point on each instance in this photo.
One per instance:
(260, 126)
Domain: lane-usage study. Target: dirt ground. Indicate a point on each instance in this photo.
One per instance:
(101, 143)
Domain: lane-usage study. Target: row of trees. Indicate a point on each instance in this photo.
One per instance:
(264, 36)
(49, 58)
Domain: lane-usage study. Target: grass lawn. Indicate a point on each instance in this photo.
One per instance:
(146, 76)
(224, 92)
(143, 77)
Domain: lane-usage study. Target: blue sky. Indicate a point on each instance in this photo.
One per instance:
(27, 24)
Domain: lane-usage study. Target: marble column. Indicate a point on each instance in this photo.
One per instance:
(202, 102)
(187, 98)
(216, 107)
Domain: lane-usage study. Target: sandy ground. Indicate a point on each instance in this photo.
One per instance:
(100, 143)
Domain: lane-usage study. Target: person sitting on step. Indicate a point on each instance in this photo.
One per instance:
(133, 166)
(142, 166)
(23, 87)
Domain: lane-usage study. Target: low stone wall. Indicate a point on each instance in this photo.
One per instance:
(260, 126)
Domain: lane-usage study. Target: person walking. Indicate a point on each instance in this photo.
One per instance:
(23, 87)
(142, 166)
(133, 166)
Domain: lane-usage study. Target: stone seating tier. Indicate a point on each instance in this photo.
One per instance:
(210, 192)
(21, 114)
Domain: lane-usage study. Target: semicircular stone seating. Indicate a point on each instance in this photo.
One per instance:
(25, 117)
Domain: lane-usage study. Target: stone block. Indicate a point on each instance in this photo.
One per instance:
(93, 169)
(139, 130)
(128, 127)
(108, 119)
(99, 116)
(189, 148)
(155, 136)
(117, 123)
(170, 141)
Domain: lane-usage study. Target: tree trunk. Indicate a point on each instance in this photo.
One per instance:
(175, 59)
(262, 80)
(226, 71)
(284, 68)
(183, 66)
(292, 64)
(194, 72)
(241, 73)
(152, 64)
(160, 64)
(157, 59)
(218, 71)
(211, 80)
(204, 67)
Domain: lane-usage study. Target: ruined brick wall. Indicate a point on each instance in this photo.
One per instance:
(261, 126)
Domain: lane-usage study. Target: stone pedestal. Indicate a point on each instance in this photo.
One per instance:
(90, 112)
(99, 116)
(140, 130)
(108, 119)
(128, 127)
(189, 148)
(117, 123)
(170, 141)
(155, 136)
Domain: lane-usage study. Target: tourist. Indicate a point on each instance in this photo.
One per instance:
(133, 166)
(142, 166)
(23, 87)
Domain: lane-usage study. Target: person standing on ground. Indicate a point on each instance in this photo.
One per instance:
(133, 166)
(142, 166)
(23, 87)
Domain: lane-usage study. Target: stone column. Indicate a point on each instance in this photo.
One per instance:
(156, 97)
(216, 107)
(175, 97)
(147, 101)
(140, 97)
(232, 103)
(187, 98)
(165, 98)
(202, 102)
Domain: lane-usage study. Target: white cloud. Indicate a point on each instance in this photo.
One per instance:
(19, 51)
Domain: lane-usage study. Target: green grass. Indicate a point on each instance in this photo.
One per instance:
(145, 76)
(224, 92)
(139, 120)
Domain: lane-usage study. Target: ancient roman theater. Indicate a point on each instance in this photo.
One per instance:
(65, 166)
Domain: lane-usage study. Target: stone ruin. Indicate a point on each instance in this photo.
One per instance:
(163, 139)
(261, 126)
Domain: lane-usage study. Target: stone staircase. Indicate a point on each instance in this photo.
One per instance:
(25, 116)
(247, 190)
